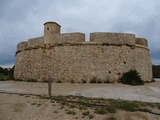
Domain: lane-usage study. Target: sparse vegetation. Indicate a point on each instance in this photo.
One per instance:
(84, 81)
(93, 80)
(33, 103)
(158, 106)
(31, 80)
(45, 81)
(111, 109)
(90, 116)
(71, 112)
(107, 81)
(58, 81)
(101, 111)
(18, 79)
(131, 77)
(99, 81)
(112, 118)
(153, 80)
(72, 81)
(97, 105)
(86, 113)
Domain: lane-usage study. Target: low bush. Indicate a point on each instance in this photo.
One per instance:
(153, 80)
(85, 113)
(101, 111)
(131, 77)
(58, 81)
(71, 112)
(84, 81)
(111, 109)
(72, 81)
(99, 81)
(107, 81)
(18, 79)
(112, 118)
(31, 80)
(93, 80)
(90, 116)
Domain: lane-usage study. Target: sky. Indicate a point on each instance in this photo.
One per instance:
(24, 19)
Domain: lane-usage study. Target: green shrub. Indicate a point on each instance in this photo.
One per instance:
(107, 81)
(85, 113)
(45, 81)
(72, 81)
(159, 106)
(99, 81)
(71, 112)
(90, 116)
(128, 106)
(84, 81)
(111, 109)
(93, 80)
(132, 78)
(101, 111)
(112, 118)
(153, 80)
(58, 81)
(18, 79)
(31, 80)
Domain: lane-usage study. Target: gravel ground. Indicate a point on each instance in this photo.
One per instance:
(30, 107)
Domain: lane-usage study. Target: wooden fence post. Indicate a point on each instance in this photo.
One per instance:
(49, 86)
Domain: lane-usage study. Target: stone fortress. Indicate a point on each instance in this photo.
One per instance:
(68, 57)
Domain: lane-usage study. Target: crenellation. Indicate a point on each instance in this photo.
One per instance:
(67, 56)
(113, 38)
(68, 38)
(22, 46)
(142, 41)
(34, 42)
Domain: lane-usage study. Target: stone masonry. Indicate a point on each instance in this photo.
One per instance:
(68, 57)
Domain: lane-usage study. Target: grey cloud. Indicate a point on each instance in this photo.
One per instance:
(20, 20)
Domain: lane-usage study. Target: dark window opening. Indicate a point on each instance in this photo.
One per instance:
(109, 71)
(124, 62)
(47, 28)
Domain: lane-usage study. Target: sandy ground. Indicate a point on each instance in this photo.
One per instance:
(150, 92)
(30, 107)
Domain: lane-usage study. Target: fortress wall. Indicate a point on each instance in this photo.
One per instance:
(142, 41)
(29, 64)
(113, 38)
(39, 41)
(68, 38)
(67, 63)
(142, 63)
(22, 45)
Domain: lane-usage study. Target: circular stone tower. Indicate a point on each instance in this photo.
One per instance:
(50, 28)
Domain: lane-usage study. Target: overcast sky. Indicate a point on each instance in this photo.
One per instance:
(24, 19)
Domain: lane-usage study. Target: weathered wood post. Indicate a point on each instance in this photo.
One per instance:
(49, 86)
